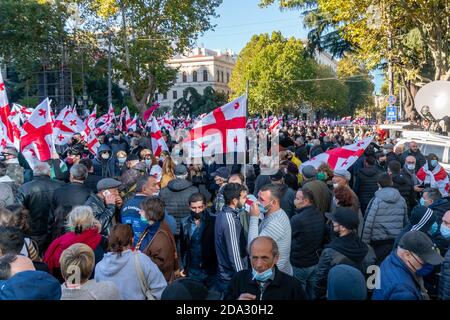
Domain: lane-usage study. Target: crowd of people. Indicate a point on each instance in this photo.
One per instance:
(125, 224)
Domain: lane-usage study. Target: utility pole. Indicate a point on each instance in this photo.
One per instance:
(109, 70)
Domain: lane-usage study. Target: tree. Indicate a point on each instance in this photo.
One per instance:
(150, 33)
(194, 103)
(272, 64)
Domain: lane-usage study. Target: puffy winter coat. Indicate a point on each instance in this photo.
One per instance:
(386, 216)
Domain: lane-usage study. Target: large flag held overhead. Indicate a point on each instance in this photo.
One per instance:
(105, 122)
(36, 140)
(66, 125)
(219, 132)
(5, 111)
(340, 158)
(158, 143)
(436, 178)
(149, 112)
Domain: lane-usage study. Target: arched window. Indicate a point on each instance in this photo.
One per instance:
(184, 76)
(194, 76)
(205, 75)
(222, 77)
(228, 77)
(218, 76)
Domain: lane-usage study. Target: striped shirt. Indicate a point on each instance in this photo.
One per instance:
(277, 227)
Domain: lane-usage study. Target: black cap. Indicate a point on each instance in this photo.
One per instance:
(132, 157)
(420, 244)
(185, 289)
(277, 176)
(346, 217)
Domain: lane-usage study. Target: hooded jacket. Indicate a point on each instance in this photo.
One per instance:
(176, 198)
(121, 270)
(349, 250)
(30, 285)
(105, 168)
(366, 185)
(405, 186)
(386, 216)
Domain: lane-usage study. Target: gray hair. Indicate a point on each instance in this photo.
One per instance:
(275, 251)
(41, 169)
(81, 218)
(79, 172)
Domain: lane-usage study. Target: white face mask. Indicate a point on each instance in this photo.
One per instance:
(411, 166)
(156, 193)
(335, 185)
(105, 156)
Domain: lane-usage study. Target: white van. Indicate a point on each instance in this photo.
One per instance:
(429, 143)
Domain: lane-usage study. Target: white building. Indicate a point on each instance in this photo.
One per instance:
(326, 59)
(199, 69)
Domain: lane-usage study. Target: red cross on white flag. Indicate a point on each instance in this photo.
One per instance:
(37, 133)
(5, 112)
(340, 158)
(222, 131)
(158, 143)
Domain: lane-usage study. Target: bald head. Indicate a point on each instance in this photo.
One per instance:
(413, 146)
(263, 253)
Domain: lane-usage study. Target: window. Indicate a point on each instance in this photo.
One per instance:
(437, 150)
(184, 77)
(156, 97)
(165, 96)
(222, 76)
(218, 76)
(194, 76)
(205, 75)
(175, 94)
(228, 77)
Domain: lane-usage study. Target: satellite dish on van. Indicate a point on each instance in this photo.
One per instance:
(432, 101)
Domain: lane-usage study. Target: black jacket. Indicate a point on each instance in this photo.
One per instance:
(91, 182)
(283, 287)
(209, 257)
(405, 186)
(308, 226)
(176, 198)
(440, 207)
(315, 151)
(72, 194)
(348, 250)
(366, 185)
(37, 196)
(302, 153)
(287, 202)
(102, 213)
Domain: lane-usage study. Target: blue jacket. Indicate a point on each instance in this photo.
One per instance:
(397, 281)
(444, 281)
(130, 215)
(230, 244)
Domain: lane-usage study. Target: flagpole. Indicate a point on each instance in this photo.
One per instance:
(246, 117)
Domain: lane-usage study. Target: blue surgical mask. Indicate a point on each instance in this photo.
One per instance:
(121, 160)
(434, 228)
(261, 208)
(263, 276)
(422, 201)
(148, 162)
(445, 231)
(434, 163)
(425, 270)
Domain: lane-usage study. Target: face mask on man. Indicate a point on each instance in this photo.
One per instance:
(422, 202)
(196, 215)
(262, 276)
(425, 270)
(148, 162)
(445, 231)
(411, 166)
(121, 160)
(335, 185)
(105, 156)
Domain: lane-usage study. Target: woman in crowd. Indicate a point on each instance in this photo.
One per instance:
(157, 241)
(82, 228)
(124, 267)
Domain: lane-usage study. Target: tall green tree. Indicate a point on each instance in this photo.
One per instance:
(194, 103)
(272, 64)
(146, 35)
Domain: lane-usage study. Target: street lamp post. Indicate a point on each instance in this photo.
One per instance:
(109, 70)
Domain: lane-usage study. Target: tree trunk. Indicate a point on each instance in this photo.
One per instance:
(411, 91)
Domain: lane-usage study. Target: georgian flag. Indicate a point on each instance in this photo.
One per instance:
(339, 158)
(158, 143)
(37, 134)
(133, 123)
(219, 132)
(438, 178)
(5, 112)
(66, 125)
(275, 125)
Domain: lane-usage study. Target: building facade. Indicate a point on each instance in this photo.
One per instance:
(199, 69)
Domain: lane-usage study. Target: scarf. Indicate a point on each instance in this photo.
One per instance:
(437, 178)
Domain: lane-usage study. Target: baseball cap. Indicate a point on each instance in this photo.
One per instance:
(420, 244)
(346, 217)
(309, 171)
